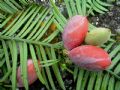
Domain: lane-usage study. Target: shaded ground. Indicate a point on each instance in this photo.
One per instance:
(110, 20)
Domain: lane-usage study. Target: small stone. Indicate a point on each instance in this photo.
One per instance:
(118, 31)
(110, 13)
(96, 23)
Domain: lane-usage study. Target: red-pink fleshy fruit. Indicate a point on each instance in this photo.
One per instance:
(90, 57)
(75, 31)
(32, 76)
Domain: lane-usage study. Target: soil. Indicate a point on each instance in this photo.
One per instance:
(110, 19)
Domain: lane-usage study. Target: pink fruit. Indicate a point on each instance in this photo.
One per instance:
(32, 77)
(90, 57)
(75, 32)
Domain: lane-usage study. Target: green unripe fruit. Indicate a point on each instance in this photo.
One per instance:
(98, 36)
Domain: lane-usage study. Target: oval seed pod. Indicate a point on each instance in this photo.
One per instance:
(90, 57)
(98, 36)
(75, 32)
(32, 76)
